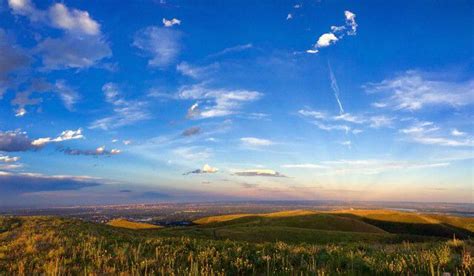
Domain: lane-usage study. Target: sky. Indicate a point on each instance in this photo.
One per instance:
(106, 102)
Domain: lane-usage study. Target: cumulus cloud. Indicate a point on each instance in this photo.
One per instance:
(64, 136)
(205, 169)
(100, 151)
(255, 142)
(125, 112)
(171, 22)
(456, 132)
(12, 141)
(59, 16)
(337, 33)
(225, 102)
(289, 16)
(259, 172)
(162, 45)
(325, 40)
(415, 90)
(82, 45)
(191, 131)
(8, 159)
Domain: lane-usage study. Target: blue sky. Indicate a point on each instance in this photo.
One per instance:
(149, 101)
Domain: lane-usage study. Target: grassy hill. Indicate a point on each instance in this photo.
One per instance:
(386, 224)
(60, 246)
(123, 223)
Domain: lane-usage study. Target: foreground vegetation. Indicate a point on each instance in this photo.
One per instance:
(58, 246)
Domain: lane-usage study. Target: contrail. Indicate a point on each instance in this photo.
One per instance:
(335, 88)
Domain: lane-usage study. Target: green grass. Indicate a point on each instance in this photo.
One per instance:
(290, 244)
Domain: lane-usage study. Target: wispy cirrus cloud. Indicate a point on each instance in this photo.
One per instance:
(126, 112)
(414, 90)
(255, 142)
(345, 121)
(161, 45)
(225, 101)
(259, 172)
(233, 49)
(100, 151)
(428, 133)
(366, 166)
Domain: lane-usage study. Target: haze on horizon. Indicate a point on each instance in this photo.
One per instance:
(156, 101)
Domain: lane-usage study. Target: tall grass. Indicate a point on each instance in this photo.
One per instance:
(54, 246)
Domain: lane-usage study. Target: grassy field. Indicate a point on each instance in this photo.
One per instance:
(280, 243)
(123, 223)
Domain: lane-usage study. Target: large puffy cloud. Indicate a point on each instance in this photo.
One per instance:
(12, 141)
(125, 112)
(162, 45)
(326, 40)
(58, 16)
(415, 90)
(82, 45)
(226, 101)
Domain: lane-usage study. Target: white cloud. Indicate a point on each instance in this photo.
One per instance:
(162, 45)
(234, 49)
(312, 51)
(73, 20)
(171, 22)
(350, 21)
(415, 90)
(225, 102)
(366, 166)
(195, 72)
(457, 133)
(125, 112)
(64, 136)
(428, 134)
(193, 153)
(304, 166)
(325, 40)
(8, 159)
(337, 33)
(72, 52)
(59, 16)
(289, 16)
(205, 170)
(255, 142)
(259, 172)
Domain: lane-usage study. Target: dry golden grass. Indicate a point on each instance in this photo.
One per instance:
(123, 223)
(222, 218)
